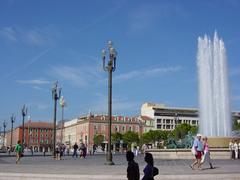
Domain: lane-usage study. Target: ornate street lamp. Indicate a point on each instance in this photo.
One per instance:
(110, 67)
(13, 118)
(56, 93)
(24, 113)
(62, 103)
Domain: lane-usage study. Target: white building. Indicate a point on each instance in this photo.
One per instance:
(70, 132)
(167, 118)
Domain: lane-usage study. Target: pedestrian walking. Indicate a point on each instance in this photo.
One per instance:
(198, 151)
(235, 147)
(61, 151)
(238, 149)
(206, 157)
(231, 148)
(75, 148)
(57, 152)
(19, 151)
(149, 168)
(83, 150)
(133, 168)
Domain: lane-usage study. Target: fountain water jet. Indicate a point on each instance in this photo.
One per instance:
(215, 116)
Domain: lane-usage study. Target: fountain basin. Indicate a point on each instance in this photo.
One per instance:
(221, 142)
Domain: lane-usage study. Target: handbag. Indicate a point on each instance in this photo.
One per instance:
(155, 171)
(193, 151)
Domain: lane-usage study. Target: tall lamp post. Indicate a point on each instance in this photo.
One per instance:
(110, 67)
(4, 132)
(13, 118)
(62, 103)
(24, 113)
(56, 93)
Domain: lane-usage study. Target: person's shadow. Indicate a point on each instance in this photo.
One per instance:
(210, 168)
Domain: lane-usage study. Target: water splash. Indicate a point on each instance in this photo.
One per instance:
(215, 116)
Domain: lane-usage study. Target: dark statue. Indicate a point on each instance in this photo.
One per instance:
(185, 143)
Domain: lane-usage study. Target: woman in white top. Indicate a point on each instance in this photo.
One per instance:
(206, 156)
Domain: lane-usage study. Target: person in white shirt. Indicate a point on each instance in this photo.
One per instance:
(239, 150)
(235, 146)
(231, 148)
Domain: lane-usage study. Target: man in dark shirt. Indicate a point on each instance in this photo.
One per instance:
(75, 148)
(133, 168)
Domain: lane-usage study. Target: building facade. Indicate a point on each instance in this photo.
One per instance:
(167, 118)
(83, 129)
(37, 135)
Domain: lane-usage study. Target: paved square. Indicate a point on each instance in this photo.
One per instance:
(39, 167)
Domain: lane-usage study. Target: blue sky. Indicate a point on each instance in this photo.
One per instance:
(44, 41)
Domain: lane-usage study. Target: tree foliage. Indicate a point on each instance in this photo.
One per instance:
(182, 130)
(130, 137)
(236, 125)
(154, 136)
(116, 137)
(98, 139)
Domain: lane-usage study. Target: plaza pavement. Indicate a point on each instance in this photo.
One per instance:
(91, 168)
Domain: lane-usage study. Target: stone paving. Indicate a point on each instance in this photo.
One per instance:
(39, 167)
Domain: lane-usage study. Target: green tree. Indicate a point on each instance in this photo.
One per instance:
(145, 138)
(181, 130)
(116, 137)
(236, 125)
(194, 130)
(154, 136)
(98, 139)
(130, 137)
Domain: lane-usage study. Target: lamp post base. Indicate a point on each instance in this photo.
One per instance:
(110, 163)
(109, 159)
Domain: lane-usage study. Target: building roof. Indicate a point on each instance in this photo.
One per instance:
(146, 118)
(38, 124)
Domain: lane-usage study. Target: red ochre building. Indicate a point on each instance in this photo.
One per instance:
(83, 129)
(37, 135)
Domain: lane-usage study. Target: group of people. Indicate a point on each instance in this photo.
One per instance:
(234, 148)
(133, 169)
(60, 149)
(201, 151)
(82, 150)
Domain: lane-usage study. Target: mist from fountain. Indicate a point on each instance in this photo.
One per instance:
(215, 114)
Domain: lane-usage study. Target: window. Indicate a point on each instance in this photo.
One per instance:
(159, 120)
(167, 121)
(123, 128)
(159, 126)
(130, 128)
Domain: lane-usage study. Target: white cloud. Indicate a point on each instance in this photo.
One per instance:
(9, 33)
(34, 82)
(81, 76)
(146, 15)
(36, 36)
(37, 105)
(147, 73)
